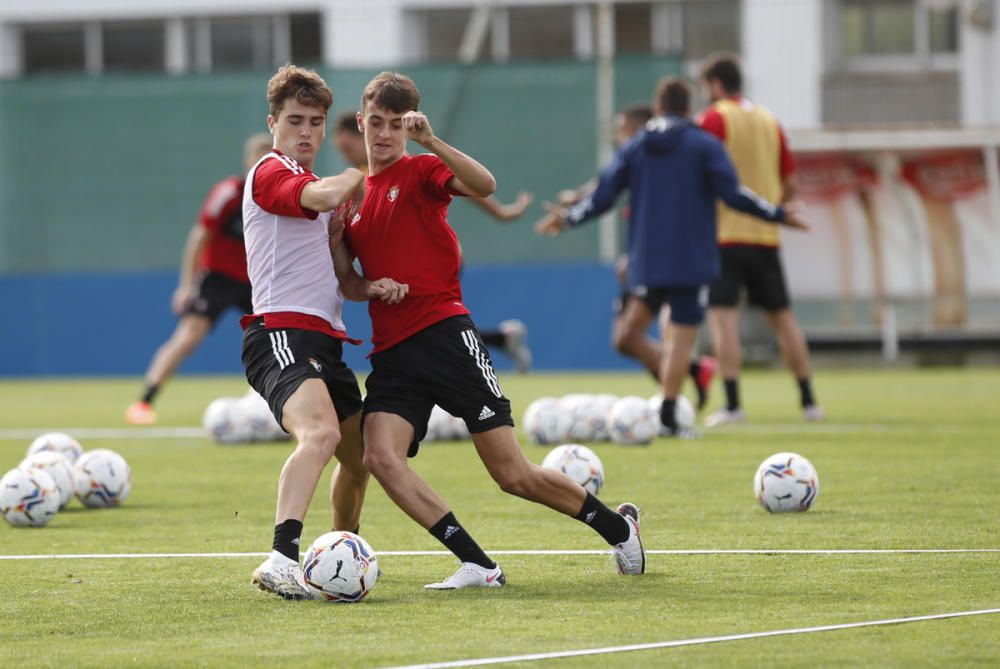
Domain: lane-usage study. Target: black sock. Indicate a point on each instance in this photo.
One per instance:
(458, 541)
(806, 392)
(493, 337)
(286, 538)
(150, 393)
(732, 394)
(694, 371)
(667, 413)
(610, 525)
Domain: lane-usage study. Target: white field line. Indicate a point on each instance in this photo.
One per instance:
(108, 433)
(691, 642)
(736, 551)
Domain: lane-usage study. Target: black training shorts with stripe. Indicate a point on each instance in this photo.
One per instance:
(445, 364)
(217, 292)
(278, 361)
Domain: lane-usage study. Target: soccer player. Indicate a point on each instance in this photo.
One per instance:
(427, 349)
(293, 340)
(510, 335)
(674, 173)
(634, 314)
(213, 278)
(751, 258)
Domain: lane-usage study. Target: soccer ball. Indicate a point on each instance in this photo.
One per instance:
(632, 421)
(546, 421)
(786, 482)
(263, 426)
(227, 422)
(102, 478)
(458, 429)
(340, 567)
(28, 497)
(579, 463)
(438, 425)
(55, 465)
(600, 407)
(585, 422)
(684, 413)
(58, 442)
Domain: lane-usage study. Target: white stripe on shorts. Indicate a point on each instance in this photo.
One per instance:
(482, 362)
(279, 344)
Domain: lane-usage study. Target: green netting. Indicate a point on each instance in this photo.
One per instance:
(107, 173)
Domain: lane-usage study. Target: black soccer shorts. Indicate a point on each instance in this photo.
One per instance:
(278, 361)
(217, 292)
(445, 364)
(757, 269)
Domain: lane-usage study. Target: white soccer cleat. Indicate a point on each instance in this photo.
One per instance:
(282, 576)
(629, 555)
(813, 413)
(515, 333)
(471, 575)
(726, 417)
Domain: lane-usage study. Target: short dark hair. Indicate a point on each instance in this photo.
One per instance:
(393, 91)
(724, 68)
(347, 122)
(299, 84)
(673, 96)
(637, 114)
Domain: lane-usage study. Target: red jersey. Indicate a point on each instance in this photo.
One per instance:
(222, 215)
(402, 232)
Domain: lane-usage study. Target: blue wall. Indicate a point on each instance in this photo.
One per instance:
(110, 323)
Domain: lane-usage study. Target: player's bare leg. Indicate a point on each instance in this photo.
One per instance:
(191, 330)
(725, 324)
(795, 351)
(628, 335)
(350, 478)
(675, 367)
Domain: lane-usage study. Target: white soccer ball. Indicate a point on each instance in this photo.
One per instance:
(786, 482)
(546, 421)
(55, 465)
(340, 567)
(58, 442)
(227, 422)
(600, 407)
(684, 413)
(262, 423)
(438, 425)
(579, 463)
(632, 421)
(102, 478)
(458, 429)
(28, 497)
(584, 423)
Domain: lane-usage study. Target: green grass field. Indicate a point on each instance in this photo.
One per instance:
(907, 459)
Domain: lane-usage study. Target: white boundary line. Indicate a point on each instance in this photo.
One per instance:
(108, 433)
(764, 551)
(689, 642)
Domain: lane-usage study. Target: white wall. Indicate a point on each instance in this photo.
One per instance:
(980, 67)
(783, 58)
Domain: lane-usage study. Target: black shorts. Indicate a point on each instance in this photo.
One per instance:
(215, 292)
(758, 270)
(618, 306)
(445, 364)
(687, 303)
(278, 361)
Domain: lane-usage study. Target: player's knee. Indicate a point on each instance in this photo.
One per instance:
(321, 439)
(514, 482)
(380, 462)
(624, 340)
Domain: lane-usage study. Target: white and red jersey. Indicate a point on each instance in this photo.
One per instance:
(288, 253)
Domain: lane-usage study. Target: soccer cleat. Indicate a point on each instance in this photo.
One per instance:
(726, 417)
(629, 555)
(471, 575)
(813, 413)
(140, 413)
(514, 336)
(706, 370)
(282, 576)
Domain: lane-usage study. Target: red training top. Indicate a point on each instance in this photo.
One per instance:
(402, 232)
(222, 215)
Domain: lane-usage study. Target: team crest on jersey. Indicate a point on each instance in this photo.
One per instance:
(393, 193)
(357, 217)
(318, 367)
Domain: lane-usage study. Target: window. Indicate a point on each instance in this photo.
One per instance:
(134, 46)
(871, 30)
(943, 27)
(632, 28)
(54, 49)
(307, 38)
(710, 26)
(241, 42)
(445, 28)
(541, 32)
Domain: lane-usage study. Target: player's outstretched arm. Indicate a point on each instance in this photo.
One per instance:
(505, 212)
(196, 242)
(330, 192)
(726, 186)
(471, 178)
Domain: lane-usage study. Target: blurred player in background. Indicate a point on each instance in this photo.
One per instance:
(674, 173)
(293, 339)
(213, 278)
(427, 349)
(750, 249)
(510, 336)
(635, 314)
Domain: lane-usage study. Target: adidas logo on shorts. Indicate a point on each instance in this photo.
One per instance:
(486, 413)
